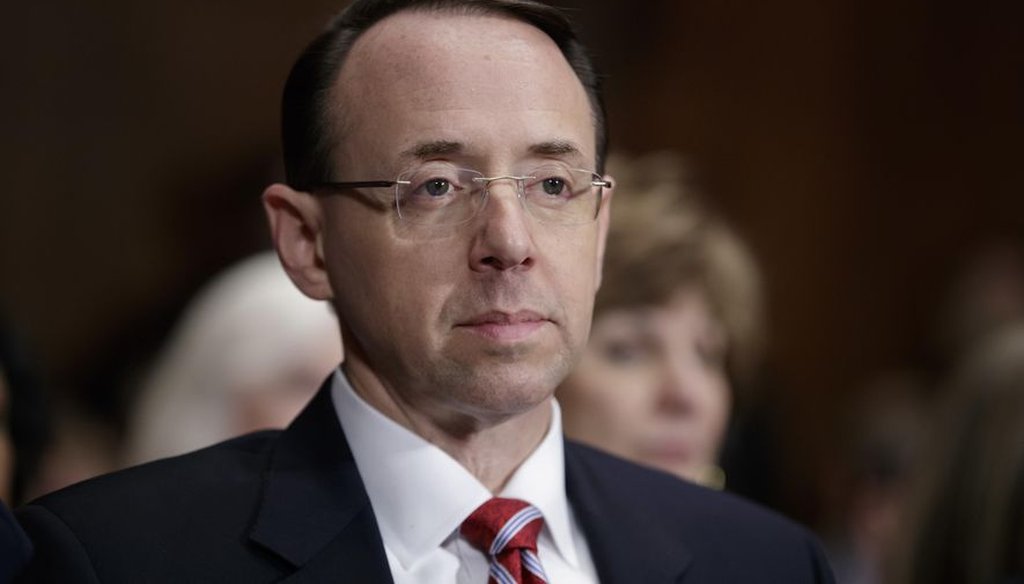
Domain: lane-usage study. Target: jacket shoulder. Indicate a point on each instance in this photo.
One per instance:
(672, 497)
(173, 479)
(726, 534)
(146, 518)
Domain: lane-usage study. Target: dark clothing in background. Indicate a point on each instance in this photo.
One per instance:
(15, 548)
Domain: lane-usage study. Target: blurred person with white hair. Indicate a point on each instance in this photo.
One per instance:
(248, 353)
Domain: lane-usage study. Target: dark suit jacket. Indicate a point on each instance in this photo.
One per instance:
(290, 506)
(15, 548)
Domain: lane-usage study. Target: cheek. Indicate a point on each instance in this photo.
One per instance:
(619, 396)
(393, 288)
(718, 406)
(572, 252)
(571, 272)
(607, 411)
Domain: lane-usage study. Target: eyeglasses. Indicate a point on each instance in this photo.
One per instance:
(440, 194)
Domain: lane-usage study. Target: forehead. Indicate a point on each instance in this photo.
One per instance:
(488, 82)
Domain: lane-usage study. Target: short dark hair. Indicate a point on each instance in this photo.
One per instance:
(307, 131)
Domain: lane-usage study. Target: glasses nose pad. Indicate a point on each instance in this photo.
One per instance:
(516, 185)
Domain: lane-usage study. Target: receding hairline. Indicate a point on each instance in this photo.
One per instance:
(334, 108)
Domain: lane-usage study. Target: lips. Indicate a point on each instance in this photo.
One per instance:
(671, 450)
(505, 326)
(666, 448)
(504, 318)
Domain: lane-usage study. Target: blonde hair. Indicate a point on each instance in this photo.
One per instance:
(662, 239)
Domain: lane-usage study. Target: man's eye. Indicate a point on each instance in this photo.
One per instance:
(553, 185)
(437, 187)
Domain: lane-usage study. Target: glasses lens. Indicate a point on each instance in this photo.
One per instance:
(437, 194)
(562, 195)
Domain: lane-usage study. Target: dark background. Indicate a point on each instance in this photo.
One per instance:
(864, 149)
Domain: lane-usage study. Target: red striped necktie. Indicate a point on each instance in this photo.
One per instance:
(506, 530)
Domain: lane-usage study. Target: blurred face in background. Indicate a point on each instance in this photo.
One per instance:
(652, 385)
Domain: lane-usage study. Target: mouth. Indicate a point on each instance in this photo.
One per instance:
(671, 450)
(504, 326)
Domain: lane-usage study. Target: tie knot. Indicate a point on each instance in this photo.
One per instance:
(503, 524)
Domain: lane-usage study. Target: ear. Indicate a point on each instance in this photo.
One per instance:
(603, 220)
(296, 228)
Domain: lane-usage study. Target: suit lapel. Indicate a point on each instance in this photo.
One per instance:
(314, 511)
(315, 514)
(625, 548)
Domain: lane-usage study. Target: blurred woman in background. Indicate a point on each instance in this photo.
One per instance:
(677, 327)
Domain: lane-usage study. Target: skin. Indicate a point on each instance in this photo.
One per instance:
(461, 335)
(652, 387)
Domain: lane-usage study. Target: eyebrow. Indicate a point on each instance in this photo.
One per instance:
(433, 148)
(556, 148)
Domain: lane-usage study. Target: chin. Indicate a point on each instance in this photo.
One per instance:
(687, 468)
(707, 474)
(511, 390)
(519, 387)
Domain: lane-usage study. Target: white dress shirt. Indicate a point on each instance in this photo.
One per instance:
(421, 495)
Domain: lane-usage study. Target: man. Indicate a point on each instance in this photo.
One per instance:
(444, 193)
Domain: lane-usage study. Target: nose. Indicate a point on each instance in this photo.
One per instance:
(680, 386)
(503, 239)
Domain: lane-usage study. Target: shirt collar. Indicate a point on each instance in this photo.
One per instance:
(420, 494)
(540, 480)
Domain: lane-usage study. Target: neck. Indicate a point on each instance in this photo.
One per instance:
(490, 446)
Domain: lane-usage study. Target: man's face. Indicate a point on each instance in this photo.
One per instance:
(485, 318)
